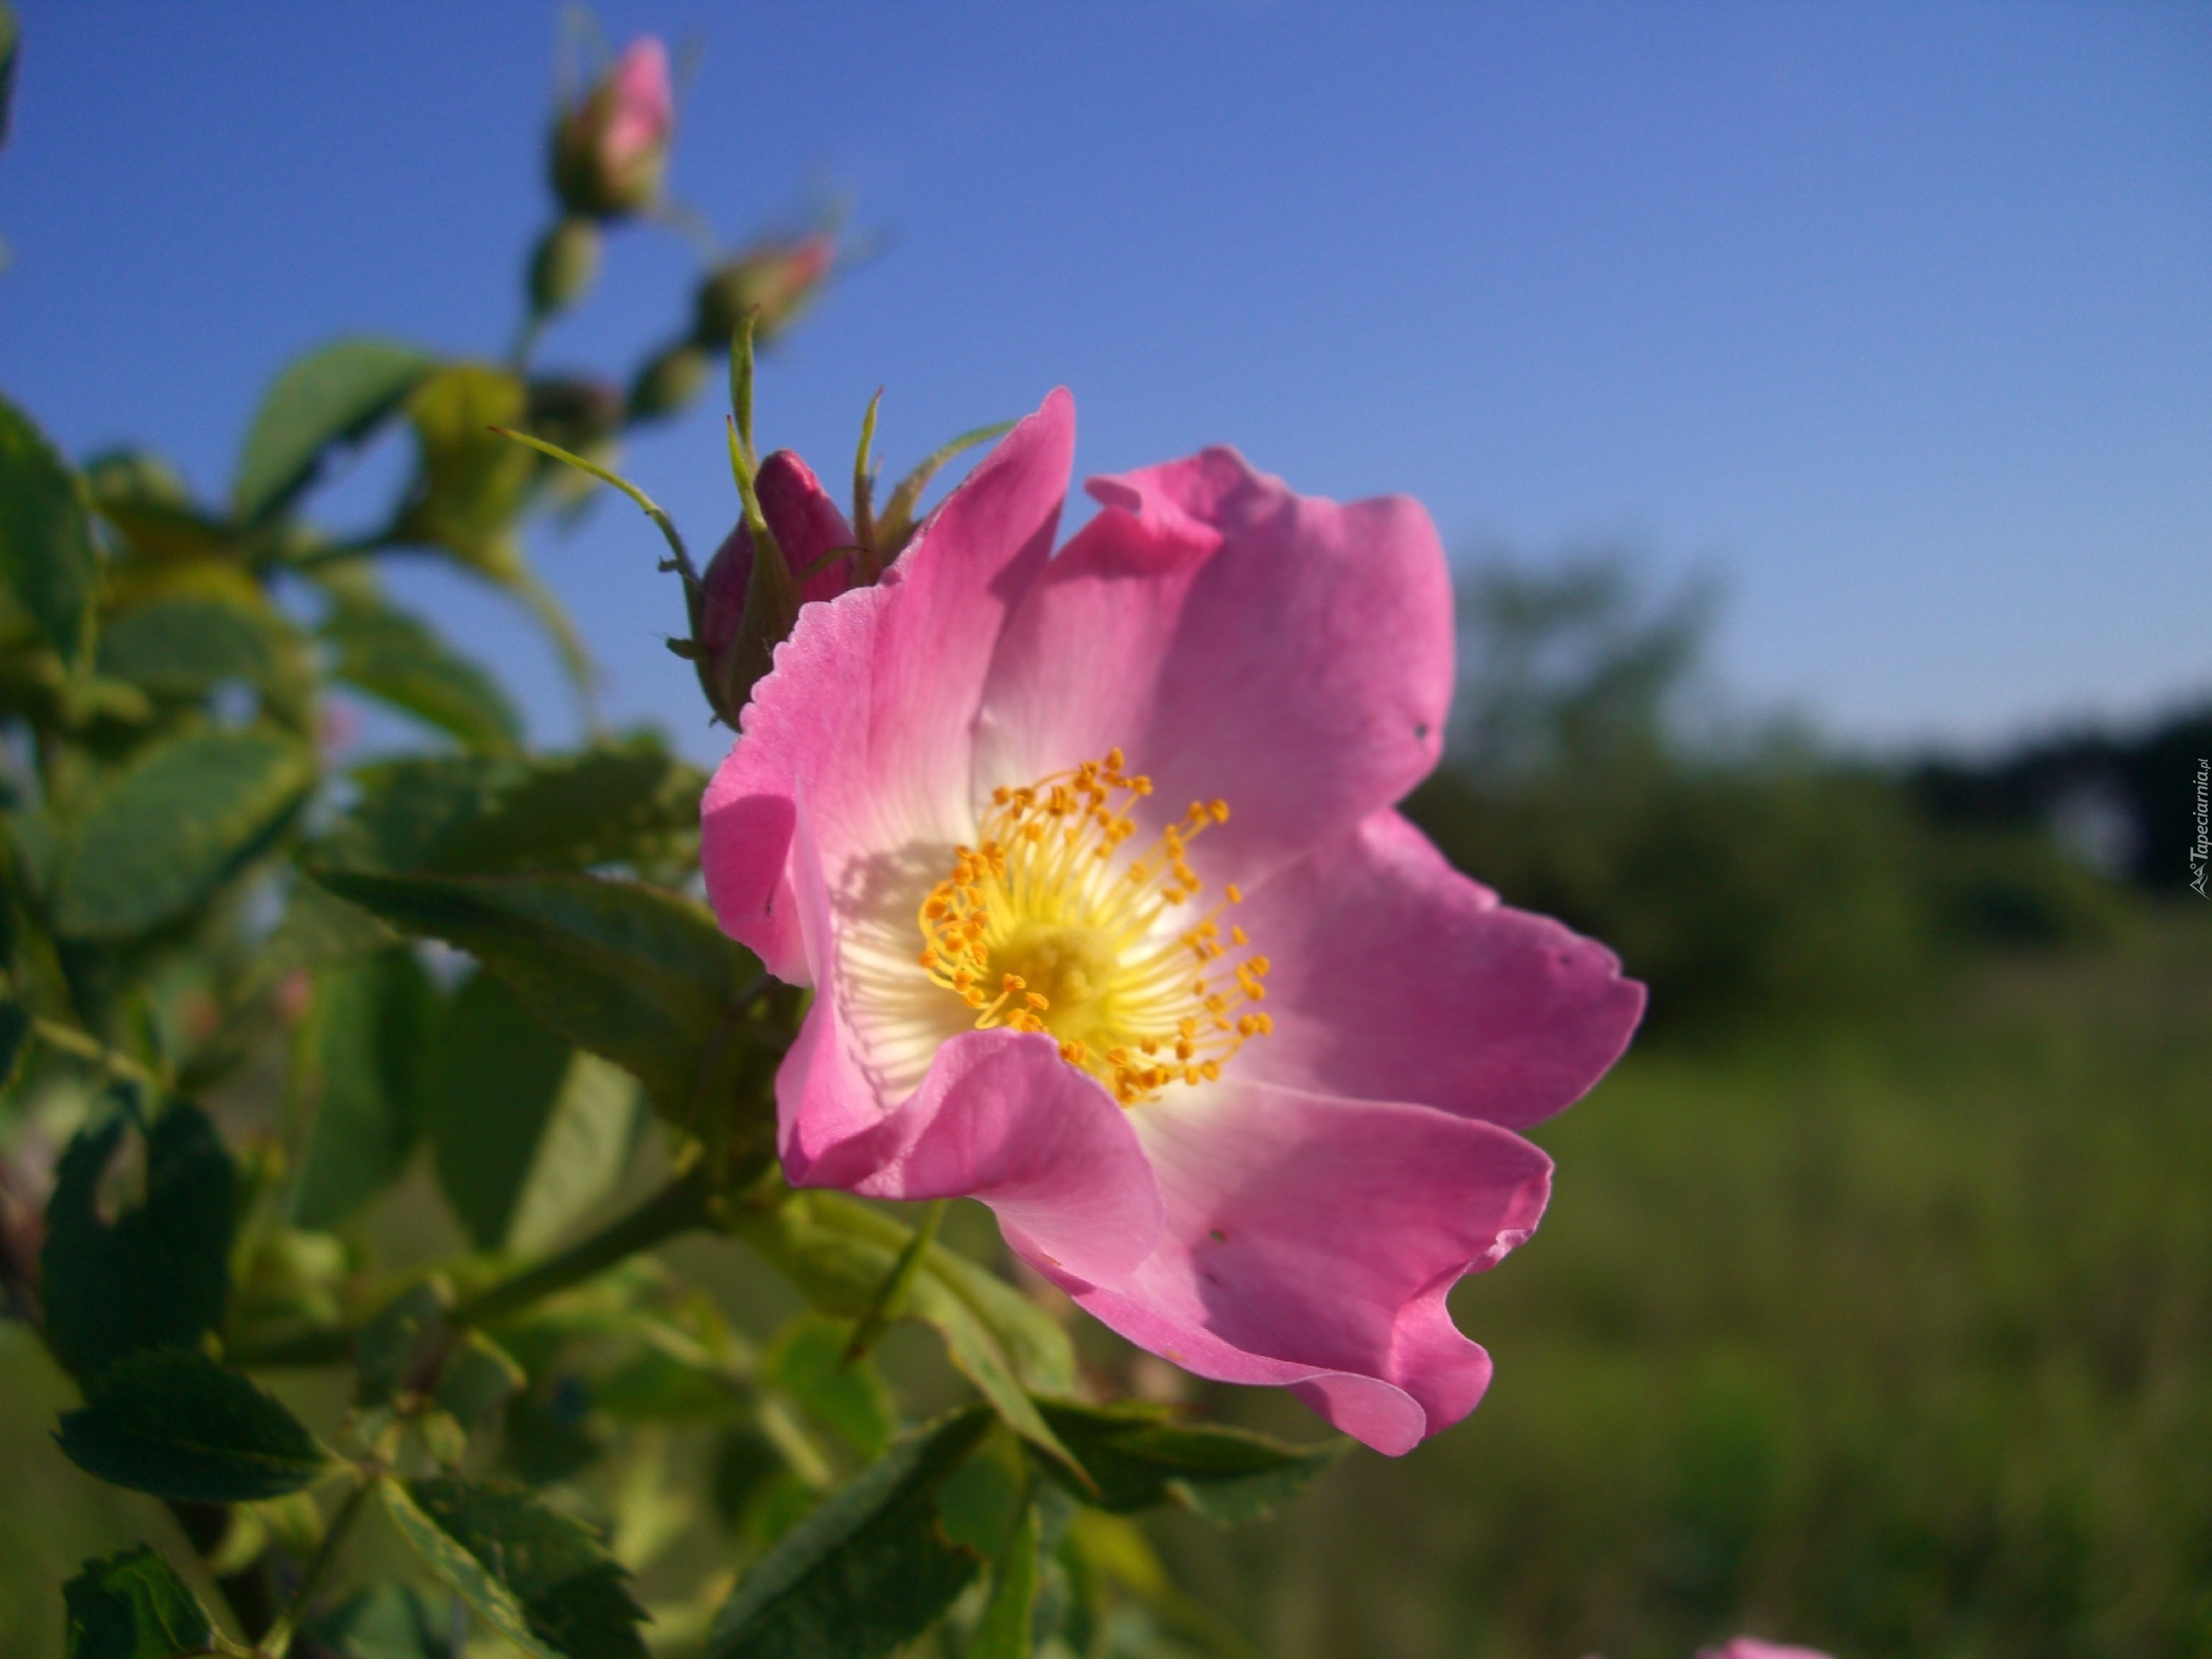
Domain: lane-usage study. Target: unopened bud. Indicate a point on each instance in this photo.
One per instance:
(564, 265)
(669, 382)
(775, 280)
(741, 620)
(610, 151)
(575, 411)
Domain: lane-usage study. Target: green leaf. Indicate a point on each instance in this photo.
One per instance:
(1139, 1455)
(641, 976)
(187, 645)
(132, 1606)
(838, 1251)
(458, 815)
(534, 1575)
(1007, 1629)
(357, 1070)
(401, 659)
(158, 1275)
(529, 1135)
(336, 395)
(173, 826)
(384, 1621)
(472, 481)
(479, 1377)
(46, 548)
(173, 1422)
(869, 1569)
(807, 1361)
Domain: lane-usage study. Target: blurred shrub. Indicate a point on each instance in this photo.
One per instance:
(1745, 876)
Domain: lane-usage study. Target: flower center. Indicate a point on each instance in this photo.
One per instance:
(1045, 926)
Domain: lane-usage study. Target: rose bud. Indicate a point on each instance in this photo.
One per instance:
(669, 382)
(808, 529)
(610, 150)
(776, 281)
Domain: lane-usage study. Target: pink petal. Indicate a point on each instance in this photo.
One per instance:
(1747, 1647)
(1311, 1242)
(643, 106)
(1236, 640)
(999, 1116)
(1395, 977)
(871, 707)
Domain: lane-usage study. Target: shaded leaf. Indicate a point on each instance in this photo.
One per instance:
(454, 815)
(1140, 1455)
(528, 1133)
(172, 826)
(837, 1251)
(132, 1606)
(537, 1576)
(158, 1275)
(1006, 1630)
(401, 659)
(402, 1336)
(187, 645)
(173, 1422)
(807, 1361)
(338, 394)
(869, 1569)
(384, 1621)
(357, 1077)
(47, 559)
(641, 976)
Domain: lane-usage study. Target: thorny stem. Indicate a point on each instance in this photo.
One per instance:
(277, 1641)
(892, 1294)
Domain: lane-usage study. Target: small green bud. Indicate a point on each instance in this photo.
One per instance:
(669, 382)
(564, 266)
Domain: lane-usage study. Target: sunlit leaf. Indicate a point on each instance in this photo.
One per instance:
(172, 826)
(401, 659)
(335, 394)
(173, 1422)
(46, 559)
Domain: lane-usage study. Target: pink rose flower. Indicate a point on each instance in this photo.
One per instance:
(610, 150)
(1092, 863)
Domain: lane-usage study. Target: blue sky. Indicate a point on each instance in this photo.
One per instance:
(1898, 318)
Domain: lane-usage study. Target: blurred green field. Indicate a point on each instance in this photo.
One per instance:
(1896, 1342)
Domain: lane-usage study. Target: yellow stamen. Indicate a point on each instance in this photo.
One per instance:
(1100, 957)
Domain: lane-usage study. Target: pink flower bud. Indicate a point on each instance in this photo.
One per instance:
(776, 281)
(808, 529)
(610, 150)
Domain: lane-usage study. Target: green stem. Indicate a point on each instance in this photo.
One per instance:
(684, 1203)
(278, 1639)
(85, 1047)
(891, 1295)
